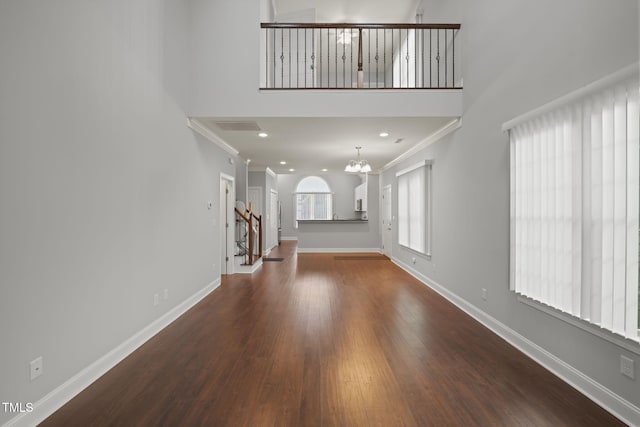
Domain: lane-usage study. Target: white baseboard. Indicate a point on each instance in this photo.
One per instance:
(292, 238)
(338, 250)
(74, 385)
(618, 406)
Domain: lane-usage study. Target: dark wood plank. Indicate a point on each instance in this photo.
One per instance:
(317, 341)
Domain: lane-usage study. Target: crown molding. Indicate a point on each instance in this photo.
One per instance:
(434, 137)
(198, 127)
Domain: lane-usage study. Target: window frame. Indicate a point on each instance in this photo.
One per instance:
(313, 194)
(582, 99)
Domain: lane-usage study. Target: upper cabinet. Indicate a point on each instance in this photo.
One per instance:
(360, 195)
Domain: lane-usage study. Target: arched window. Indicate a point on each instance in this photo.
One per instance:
(313, 199)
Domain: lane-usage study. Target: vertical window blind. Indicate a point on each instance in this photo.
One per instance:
(575, 207)
(413, 207)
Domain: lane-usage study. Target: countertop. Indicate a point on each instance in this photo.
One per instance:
(331, 221)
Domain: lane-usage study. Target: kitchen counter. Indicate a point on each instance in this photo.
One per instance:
(331, 221)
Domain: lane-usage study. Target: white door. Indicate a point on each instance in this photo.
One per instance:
(386, 221)
(254, 197)
(273, 220)
(227, 221)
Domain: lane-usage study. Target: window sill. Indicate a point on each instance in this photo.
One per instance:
(413, 251)
(613, 338)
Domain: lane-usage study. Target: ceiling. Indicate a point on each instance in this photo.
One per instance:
(353, 11)
(312, 144)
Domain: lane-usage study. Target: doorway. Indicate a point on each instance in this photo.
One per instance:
(387, 220)
(227, 221)
(273, 220)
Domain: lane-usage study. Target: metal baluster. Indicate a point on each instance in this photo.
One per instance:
(320, 56)
(453, 56)
(422, 57)
(430, 56)
(392, 65)
(415, 58)
(446, 60)
(384, 57)
(313, 57)
(297, 57)
(336, 56)
(351, 61)
(282, 58)
(328, 61)
(377, 57)
(369, 58)
(407, 57)
(344, 59)
(305, 57)
(289, 42)
(438, 56)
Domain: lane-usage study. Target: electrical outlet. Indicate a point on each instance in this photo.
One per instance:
(166, 294)
(156, 299)
(484, 294)
(413, 260)
(626, 367)
(36, 368)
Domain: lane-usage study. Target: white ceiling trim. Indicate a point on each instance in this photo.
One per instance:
(436, 136)
(199, 128)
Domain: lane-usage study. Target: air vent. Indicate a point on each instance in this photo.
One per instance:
(238, 126)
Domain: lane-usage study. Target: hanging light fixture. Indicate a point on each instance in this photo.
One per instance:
(358, 165)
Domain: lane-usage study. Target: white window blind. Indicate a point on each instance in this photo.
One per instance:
(413, 207)
(313, 206)
(574, 207)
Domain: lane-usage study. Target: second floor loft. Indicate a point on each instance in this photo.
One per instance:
(360, 56)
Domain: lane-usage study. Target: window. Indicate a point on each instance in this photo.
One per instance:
(414, 207)
(575, 205)
(313, 199)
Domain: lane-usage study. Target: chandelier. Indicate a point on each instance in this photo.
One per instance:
(358, 165)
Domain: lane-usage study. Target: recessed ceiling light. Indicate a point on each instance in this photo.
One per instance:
(292, 170)
(263, 134)
(283, 162)
(384, 134)
(325, 170)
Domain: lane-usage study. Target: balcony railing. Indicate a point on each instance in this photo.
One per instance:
(360, 56)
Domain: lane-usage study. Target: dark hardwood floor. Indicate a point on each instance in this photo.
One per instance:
(320, 341)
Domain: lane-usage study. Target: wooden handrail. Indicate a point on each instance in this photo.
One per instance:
(249, 232)
(248, 217)
(361, 26)
(241, 215)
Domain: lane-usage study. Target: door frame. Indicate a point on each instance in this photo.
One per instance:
(227, 223)
(386, 229)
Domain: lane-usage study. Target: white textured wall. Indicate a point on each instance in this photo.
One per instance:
(103, 188)
(517, 56)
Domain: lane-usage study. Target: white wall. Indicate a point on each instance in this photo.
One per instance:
(517, 56)
(104, 189)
